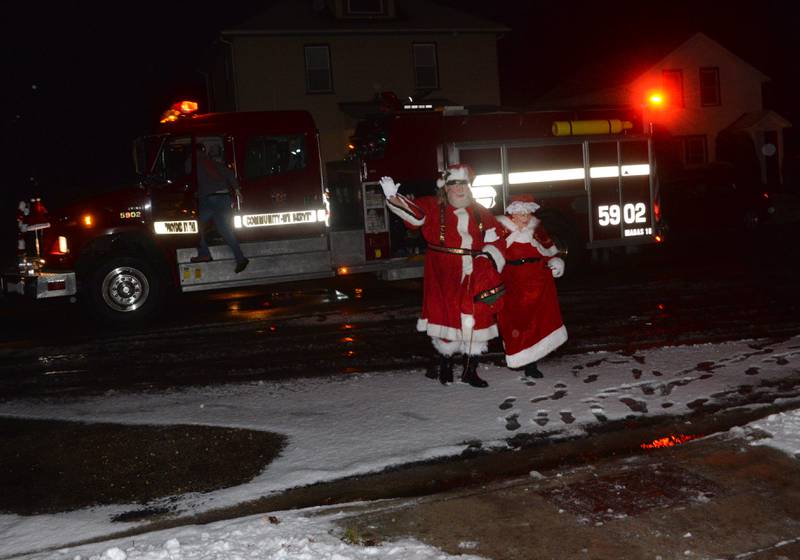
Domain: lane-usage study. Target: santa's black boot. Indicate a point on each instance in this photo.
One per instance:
(470, 374)
(531, 370)
(432, 371)
(445, 369)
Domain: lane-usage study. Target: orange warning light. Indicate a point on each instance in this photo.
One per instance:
(668, 441)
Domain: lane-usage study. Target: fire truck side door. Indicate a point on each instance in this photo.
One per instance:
(174, 198)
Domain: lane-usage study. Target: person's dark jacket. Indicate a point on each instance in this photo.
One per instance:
(213, 177)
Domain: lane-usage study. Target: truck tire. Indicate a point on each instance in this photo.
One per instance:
(125, 290)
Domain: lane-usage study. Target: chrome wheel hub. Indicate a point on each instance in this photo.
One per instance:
(125, 289)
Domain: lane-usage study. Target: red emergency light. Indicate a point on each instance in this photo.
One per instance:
(656, 99)
(178, 110)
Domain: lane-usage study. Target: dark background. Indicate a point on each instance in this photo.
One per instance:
(81, 81)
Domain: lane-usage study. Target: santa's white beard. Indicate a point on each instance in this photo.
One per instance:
(458, 202)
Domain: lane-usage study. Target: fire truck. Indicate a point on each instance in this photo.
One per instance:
(592, 171)
(124, 251)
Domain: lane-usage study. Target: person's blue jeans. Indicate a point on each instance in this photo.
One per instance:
(217, 207)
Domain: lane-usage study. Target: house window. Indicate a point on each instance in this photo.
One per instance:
(426, 66)
(695, 150)
(672, 82)
(709, 87)
(318, 69)
(364, 7)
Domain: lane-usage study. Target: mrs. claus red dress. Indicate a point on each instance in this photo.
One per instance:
(530, 319)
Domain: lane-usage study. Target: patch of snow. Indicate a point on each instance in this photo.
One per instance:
(344, 426)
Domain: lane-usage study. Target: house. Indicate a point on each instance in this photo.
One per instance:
(713, 106)
(334, 58)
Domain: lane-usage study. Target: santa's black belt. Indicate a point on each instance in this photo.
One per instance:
(454, 250)
(517, 262)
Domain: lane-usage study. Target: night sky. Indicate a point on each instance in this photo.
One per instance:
(81, 82)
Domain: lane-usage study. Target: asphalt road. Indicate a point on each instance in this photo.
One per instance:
(727, 286)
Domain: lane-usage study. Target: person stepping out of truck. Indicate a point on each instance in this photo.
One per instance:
(216, 188)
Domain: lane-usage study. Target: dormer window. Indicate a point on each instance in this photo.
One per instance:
(365, 7)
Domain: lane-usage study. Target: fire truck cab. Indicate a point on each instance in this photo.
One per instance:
(122, 252)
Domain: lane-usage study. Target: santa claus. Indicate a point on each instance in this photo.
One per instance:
(530, 321)
(462, 264)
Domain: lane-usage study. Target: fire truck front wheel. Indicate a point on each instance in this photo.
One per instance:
(125, 289)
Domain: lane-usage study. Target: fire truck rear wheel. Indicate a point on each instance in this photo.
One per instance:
(125, 290)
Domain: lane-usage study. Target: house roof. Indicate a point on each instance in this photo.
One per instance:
(620, 64)
(759, 120)
(299, 17)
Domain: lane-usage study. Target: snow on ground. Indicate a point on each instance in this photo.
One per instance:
(341, 426)
(293, 535)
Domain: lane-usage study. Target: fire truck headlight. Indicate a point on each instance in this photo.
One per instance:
(87, 220)
(237, 222)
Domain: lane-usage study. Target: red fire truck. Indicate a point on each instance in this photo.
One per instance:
(124, 251)
(592, 171)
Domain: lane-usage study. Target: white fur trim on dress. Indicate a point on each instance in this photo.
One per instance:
(497, 257)
(539, 350)
(490, 236)
(404, 211)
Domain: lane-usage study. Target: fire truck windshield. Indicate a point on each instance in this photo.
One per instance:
(169, 158)
(145, 150)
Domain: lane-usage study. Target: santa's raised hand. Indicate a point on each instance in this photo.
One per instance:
(389, 187)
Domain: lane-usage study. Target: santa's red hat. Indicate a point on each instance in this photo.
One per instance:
(456, 172)
(522, 204)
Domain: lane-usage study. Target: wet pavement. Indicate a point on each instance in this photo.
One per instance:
(49, 466)
(714, 498)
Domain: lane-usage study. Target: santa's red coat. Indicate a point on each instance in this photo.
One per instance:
(530, 320)
(448, 286)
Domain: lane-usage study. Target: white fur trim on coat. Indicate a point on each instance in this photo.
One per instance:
(446, 347)
(539, 350)
(525, 235)
(406, 210)
(466, 240)
(496, 255)
(450, 333)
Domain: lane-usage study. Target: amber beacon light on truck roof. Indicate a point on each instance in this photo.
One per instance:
(179, 110)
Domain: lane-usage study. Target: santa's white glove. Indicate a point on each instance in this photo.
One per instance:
(556, 264)
(389, 187)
